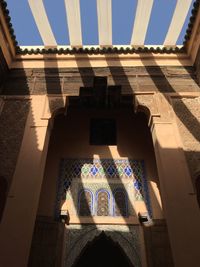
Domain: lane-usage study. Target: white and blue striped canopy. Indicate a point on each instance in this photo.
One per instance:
(138, 20)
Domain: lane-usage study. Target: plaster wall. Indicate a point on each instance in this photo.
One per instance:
(132, 79)
(70, 139)
(188, 121)
(170, 159)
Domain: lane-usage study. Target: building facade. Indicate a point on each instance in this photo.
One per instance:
(99, 155)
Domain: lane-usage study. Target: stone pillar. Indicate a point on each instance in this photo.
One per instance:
(180, 206)
(18, 221)
(19, 215)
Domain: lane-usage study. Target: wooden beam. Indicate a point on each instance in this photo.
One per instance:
(74, 22)
(178, 20)
(142, 17)
(104, 13)
(42, 22)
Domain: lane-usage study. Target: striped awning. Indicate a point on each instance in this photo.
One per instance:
(141, 19)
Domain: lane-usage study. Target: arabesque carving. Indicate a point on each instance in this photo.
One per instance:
(52, 104)
(187, 112)
(78, 236)
(158, 106)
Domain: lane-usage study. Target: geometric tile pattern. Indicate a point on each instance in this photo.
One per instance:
(109, 169)
(101, 168)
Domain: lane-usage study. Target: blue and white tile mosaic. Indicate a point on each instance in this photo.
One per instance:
(109, 169)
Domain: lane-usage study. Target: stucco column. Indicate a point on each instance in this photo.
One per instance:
(180, 205)
(18, 221)
(179, 202)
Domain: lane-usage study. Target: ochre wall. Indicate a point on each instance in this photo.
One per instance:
(165, 79)
(188, 121)
(172, 82)
(70, 139)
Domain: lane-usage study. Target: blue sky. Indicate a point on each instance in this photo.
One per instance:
(123, 12)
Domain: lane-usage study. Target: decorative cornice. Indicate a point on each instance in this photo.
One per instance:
(192, 21)
(99, 50)
(8, 22)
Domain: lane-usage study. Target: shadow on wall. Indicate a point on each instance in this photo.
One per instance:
(186, 110)
(3, 194)
(69, 136)
(103, 251)
(91, 73)
(67, 142)
(129, 87)
(54, 84)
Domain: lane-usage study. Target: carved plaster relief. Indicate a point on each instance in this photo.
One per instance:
(13, 117)
(52, 104)
(187, 112)
(128, 237)
(158, 105)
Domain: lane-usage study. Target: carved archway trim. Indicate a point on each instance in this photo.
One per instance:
(77, 239)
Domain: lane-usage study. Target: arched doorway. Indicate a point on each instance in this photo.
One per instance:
(80, 164)
(95, 167)
(102, 251)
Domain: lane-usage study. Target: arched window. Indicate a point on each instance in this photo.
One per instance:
(120, 205)
(3, 193)
(198, 189)
(85, 203)
(103, 199)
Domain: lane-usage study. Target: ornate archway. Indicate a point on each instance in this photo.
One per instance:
(102, 251)
(80, 241)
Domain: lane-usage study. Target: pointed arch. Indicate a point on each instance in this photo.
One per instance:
(128, 241)
(102, 245)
